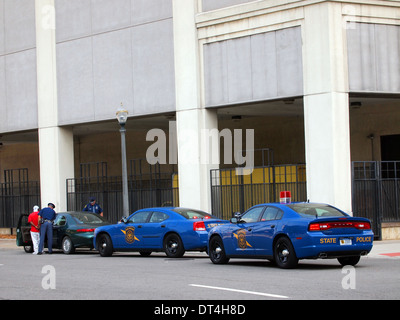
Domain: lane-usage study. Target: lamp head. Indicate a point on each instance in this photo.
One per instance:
(122, 115)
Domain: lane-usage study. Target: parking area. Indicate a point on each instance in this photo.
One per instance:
(86, 275)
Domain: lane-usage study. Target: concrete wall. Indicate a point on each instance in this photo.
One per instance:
(212, 4)
(20, 156)
(373, 54)
(110, 52)
(18, 91)
(258, 67)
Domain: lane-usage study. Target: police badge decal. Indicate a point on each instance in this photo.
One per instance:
(130, 235)
(241, 238)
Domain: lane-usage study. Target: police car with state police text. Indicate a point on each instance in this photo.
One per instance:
(288, 232)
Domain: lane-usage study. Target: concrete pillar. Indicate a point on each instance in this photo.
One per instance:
(326, 106)
(192, 119)
(56, 152)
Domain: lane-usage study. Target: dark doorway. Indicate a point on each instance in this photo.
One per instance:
(390, 147)
(390, 153)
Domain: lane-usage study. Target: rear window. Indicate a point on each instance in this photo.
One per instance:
(315, 210)
(193, 214)
(83, 217)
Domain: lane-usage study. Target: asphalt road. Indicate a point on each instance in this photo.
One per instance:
(86, 275)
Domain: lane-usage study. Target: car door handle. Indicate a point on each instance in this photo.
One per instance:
(249, 229)
(272, 226)
(163, 226)
(139, 226)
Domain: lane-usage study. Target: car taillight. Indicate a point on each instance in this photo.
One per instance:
(86, 230)
(362, 225)
(321, 226)
(199, 226)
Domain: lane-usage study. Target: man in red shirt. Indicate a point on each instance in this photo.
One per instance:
(33, 219)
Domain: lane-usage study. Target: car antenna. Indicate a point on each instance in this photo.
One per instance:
(316, 213)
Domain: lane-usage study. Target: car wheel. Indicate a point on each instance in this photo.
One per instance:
(28, 249)
(217, 251)
(284, 254)
(349, 261)
(104, 245)
(67, 245)
(173, 246)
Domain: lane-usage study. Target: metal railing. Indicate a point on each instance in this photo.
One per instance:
(376, 192)
(17, 198)
(232, 190)
(148, 186)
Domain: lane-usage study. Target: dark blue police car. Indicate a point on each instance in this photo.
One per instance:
(285, 233)
(169, 229)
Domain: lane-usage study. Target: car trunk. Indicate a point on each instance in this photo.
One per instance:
(207, 224)
(339, 226)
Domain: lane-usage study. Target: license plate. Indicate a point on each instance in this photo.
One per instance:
(345, 242)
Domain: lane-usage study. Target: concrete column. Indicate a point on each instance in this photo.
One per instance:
(192, 119)
(56, 152)
(326, 106)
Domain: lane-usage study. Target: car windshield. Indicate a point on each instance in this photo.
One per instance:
(83, 217)
(193, 214)
(315, 210)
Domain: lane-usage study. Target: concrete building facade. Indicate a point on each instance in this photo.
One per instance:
(317, 81)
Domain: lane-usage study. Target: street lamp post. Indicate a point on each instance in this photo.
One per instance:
(122, 117)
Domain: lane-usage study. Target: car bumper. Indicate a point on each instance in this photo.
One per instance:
(196, 240)
(83, 240)
(319, 245)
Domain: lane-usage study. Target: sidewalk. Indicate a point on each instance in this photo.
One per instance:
(8, 244)
(385, 249)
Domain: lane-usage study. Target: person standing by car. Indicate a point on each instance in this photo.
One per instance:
(47, 216)
(93, 207)
(33, 219)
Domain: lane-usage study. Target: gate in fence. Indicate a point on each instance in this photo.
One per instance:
(376, 192)
(231, 191)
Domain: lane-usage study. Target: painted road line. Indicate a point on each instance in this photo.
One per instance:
(241, 291)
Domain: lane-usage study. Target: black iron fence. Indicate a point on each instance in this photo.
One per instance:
(237, 189)
(148, 186)
(17, 198)
(376, 192)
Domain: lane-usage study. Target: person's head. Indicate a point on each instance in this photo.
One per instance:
(92, 200)
(51, 205)
(35, 208)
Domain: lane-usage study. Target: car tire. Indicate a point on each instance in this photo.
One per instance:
(173, 246)
(217, 251)
(104, 245)
(349, 261)
(28, 249)
(284, 254)
(67, 245)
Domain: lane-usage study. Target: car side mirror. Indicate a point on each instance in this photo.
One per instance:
(124, 219)
(234, 220)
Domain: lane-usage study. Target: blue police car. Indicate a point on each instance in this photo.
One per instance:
(170, 229)
(285, 233)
